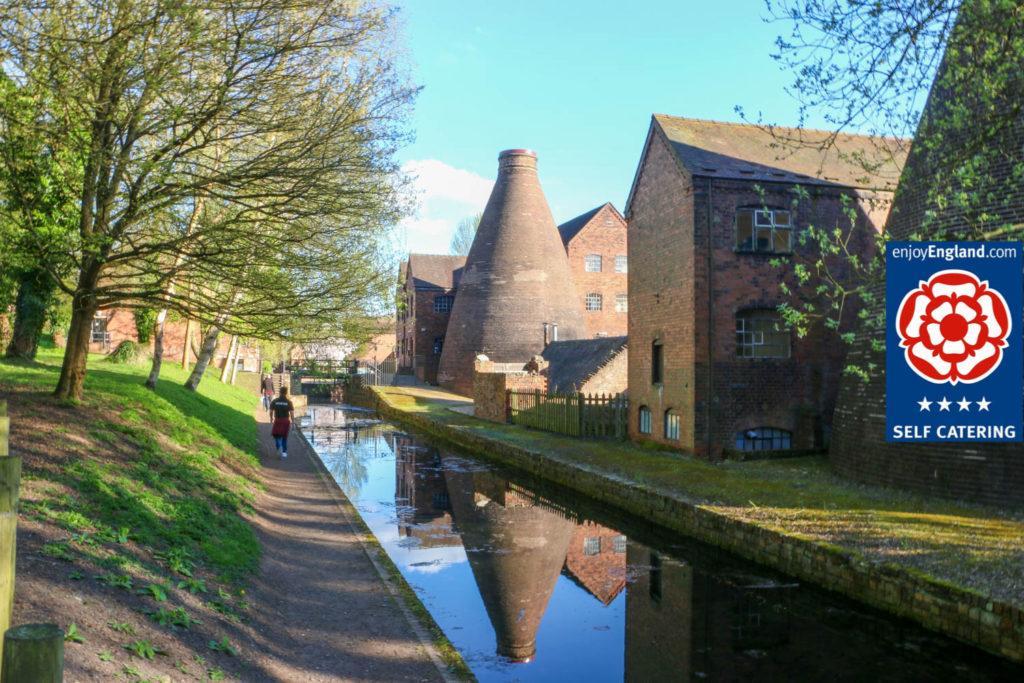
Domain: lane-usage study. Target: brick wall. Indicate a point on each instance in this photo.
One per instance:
(687, 284)
(661, 291)
(611, 378)
(419, 328)
(604, 235)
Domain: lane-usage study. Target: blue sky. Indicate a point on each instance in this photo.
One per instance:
(577, 82)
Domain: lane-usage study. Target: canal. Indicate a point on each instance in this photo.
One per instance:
(534, 583)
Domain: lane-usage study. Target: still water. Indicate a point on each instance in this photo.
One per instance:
(533, 583)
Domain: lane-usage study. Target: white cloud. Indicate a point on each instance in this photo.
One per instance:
(445, 195)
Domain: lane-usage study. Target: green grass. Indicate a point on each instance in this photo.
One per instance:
(973, 547)
(152, 483)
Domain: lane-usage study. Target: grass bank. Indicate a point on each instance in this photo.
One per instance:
(132, 524)
(923, 558)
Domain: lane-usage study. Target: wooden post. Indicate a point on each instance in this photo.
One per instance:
(10, 478)
(33, 652)
(580, 407)
(226, 371)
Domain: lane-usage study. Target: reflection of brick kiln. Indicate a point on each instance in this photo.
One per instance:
(947, 145)
(516, 549)
(515, 280)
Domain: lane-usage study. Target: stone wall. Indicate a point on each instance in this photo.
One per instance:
(491, 381)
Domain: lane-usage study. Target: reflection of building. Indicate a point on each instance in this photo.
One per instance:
(516, 549)
(596, 560)
(659, 617)
(424, 511)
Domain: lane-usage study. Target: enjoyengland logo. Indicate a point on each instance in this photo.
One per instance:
(953, 344)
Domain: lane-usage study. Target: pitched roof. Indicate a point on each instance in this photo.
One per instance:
(573, 362)
(572, 227)
(777, 154)
(434, 271)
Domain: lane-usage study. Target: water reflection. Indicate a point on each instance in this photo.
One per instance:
(533, 585)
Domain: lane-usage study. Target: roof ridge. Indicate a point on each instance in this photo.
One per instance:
(760, 126)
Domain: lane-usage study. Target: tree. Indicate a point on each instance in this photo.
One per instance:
(867, 66)
(282, 116)
(465, 231)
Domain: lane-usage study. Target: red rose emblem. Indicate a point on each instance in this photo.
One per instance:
(954, 328)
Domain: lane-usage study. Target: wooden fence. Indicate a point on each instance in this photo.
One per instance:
(585, 415)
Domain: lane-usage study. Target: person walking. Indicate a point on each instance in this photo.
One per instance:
(282, 412)
(267, 389)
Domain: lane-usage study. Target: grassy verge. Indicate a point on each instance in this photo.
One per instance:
(971, 547)
(135, 496)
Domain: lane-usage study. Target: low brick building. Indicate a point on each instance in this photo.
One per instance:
(426, 294)
(595, 243)
(589, 366)
(714, 217)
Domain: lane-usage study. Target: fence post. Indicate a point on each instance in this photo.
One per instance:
(33, 652)
(508, 406)
(10, 477)
(580, 403)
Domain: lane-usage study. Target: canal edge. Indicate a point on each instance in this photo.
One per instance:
(442, 653)
(954, 611)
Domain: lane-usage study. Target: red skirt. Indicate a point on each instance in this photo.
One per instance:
(281, 427)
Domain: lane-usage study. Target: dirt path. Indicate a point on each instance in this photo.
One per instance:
(322, 611)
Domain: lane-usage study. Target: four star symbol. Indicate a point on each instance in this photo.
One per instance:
(944, 404)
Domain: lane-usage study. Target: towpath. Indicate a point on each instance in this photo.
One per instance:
(325, 612)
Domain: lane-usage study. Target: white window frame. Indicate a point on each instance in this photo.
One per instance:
(777, 222)
(594, 301)
(621, 263)
(751, 340)
(621, 303)
(592, 263)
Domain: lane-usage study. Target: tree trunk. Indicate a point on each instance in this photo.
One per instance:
(186, 345)
(72, 372)
(234, 367)
(158, 349)
(232, 350)
(205, 354)
(35, 293)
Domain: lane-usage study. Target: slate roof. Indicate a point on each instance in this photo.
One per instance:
(572, 227)
(435, 271)
(574, 361)
(748, 152)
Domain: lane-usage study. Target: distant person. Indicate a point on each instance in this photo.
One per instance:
(282, 412)
(267, 386)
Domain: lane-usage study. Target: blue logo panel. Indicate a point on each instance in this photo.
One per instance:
(953, 341)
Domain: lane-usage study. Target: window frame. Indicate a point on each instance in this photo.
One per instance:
(764, 218)
(438, 345)
(621, 263)
(591, 259)
(591, 546)
(763, 439)
(597, 298)
(750, 337)
(104, 337)
(443, 303)
(657, 362)
(671, 424)
(644, 419)
(622, 303)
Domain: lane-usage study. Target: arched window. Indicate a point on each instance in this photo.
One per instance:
(671, 425)
(765, 230)
(645, 420)
(760, 333)
(764, 439)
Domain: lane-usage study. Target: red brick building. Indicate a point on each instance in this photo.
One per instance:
(426, 294)
(595, 243)
(712, 206)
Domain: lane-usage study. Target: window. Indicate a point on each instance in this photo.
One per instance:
(672, 425)
(621, 264)
(645, 420)
(767, 230)
(621, 303)
(592, 263)
(657, 369)
(99, 329)
(761, 334)
(764, 439)
(594, 301)
(619, 544)
(443, 303)
(591, 546)
(438, 344)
